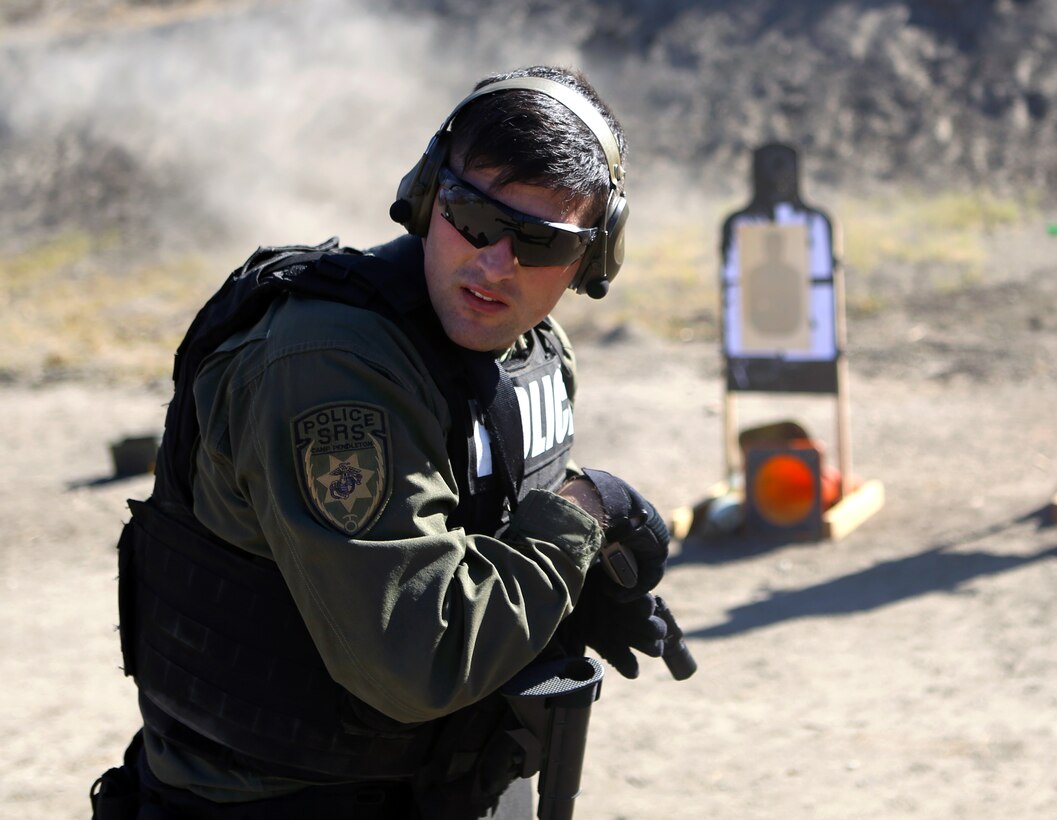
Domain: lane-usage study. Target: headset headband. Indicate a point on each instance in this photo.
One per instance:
(571, 99)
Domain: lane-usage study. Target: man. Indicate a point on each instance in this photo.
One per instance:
(365, 519)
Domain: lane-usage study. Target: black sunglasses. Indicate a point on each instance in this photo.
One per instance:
(482, 221)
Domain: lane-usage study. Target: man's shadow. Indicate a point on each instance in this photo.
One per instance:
(937, 569)
(100, 481)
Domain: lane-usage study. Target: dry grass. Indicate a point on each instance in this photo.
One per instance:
(945, 241)
(894, 242)
(71, 307)
(913, 228)
(668, 285)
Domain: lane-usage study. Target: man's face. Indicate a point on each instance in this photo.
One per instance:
(484, 297)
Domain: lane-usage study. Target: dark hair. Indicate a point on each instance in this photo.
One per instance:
(534, 139)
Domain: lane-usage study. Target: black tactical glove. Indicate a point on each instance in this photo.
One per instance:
(633, 522)
(613, 628)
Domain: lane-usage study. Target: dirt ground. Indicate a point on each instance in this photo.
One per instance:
(905, 671)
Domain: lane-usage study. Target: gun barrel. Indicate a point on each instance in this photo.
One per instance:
(676, 654)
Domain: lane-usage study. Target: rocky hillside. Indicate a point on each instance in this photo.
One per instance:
(119, 113)
(960, 91)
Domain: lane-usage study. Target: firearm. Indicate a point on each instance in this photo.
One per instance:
(552, 700)
(619, 563)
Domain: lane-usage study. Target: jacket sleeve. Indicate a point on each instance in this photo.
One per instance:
(412, 617)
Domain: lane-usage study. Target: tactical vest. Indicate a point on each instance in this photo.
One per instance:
(211, 634)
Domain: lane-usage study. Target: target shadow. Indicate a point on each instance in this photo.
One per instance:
(936, 569)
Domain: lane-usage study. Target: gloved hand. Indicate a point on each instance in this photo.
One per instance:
(613, 628)
(634, 522)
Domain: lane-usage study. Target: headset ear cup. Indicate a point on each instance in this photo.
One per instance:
(402, 209)
(618, 218)
(418, 188)
(603, 259)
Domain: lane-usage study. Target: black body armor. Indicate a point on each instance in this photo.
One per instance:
(223, 661)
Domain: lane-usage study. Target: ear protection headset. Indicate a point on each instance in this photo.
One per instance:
(603, 258)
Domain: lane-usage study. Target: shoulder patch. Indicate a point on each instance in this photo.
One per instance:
(343, 459)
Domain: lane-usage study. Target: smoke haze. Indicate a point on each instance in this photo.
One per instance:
(274, 124)
(219, 122)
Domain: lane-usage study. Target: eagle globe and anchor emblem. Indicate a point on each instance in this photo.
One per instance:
(349, 478)
(343, 451)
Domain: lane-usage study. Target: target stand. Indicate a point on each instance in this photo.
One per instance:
(783, 331)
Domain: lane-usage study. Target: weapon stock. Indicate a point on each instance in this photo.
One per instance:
(553, 699)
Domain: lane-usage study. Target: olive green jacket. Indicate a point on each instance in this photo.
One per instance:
(414, 618)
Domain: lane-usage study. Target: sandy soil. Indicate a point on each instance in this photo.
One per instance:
(904, 671)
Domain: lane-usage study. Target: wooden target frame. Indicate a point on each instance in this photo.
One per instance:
(783, 324)
(782, 319)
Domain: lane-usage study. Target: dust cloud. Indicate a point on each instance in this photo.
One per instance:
(233, 126)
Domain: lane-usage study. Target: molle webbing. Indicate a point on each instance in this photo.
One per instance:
(222, 645)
